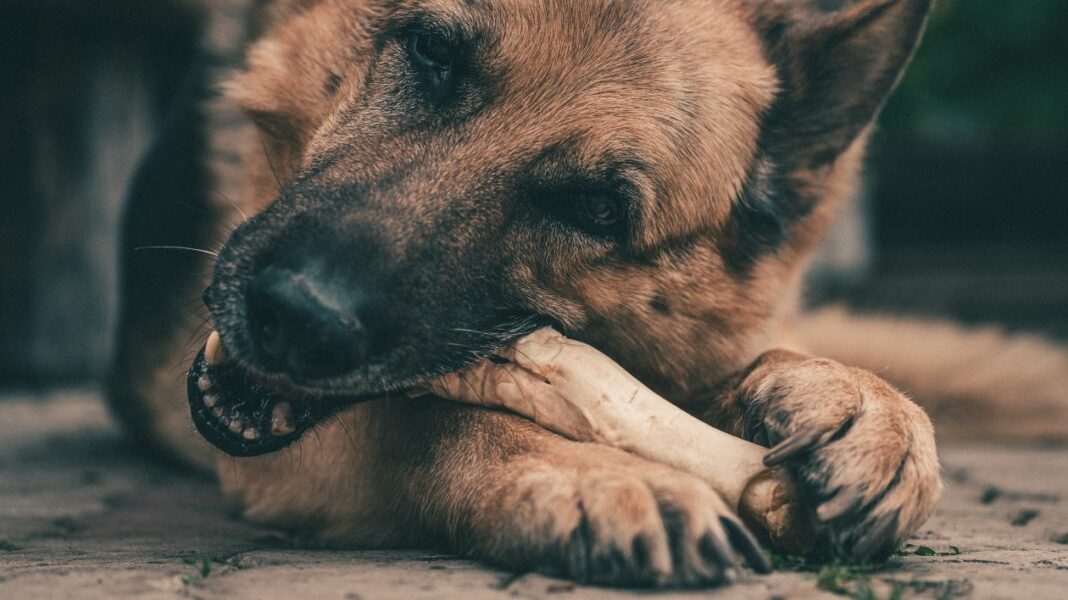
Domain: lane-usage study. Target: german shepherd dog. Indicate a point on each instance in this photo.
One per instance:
(400, 187)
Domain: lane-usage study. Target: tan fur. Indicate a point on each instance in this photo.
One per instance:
(280, 91)
(493, 485)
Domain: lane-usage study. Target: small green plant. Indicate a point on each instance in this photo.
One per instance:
(203, 570)
(846, 578)
(857, 580)
(840, 575)
(788, 562)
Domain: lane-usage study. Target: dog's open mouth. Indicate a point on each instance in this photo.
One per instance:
(241, 416)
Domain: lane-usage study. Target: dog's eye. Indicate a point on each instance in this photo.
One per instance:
(599, 212)
(431, 51)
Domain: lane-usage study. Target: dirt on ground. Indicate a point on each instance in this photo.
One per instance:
(85, 515)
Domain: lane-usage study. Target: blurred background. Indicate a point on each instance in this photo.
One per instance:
(964, 214)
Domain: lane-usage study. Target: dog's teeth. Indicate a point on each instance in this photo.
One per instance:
(214, 351)
(204, 383)
(282, 419)
(218, 412)
(211, 400)
(250, 434)
(237, 424)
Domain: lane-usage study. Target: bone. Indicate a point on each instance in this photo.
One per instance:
(572, 389)
(282, 419)
(214, 351)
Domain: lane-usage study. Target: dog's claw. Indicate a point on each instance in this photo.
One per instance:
(742, 540)
(717, 553)
(872, 544)
(797, 444)
(845, 502)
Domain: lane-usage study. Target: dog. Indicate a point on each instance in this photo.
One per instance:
(399, 187)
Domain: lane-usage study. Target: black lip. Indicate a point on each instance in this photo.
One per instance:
(256, 401)
(246, 389)
(209, 426)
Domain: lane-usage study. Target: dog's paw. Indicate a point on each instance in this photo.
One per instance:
(608, 518)
(863, 453)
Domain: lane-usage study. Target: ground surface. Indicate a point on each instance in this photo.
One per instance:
(83, 516)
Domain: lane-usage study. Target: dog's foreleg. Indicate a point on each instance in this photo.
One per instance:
(497, 487)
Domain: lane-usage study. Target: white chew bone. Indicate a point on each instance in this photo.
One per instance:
(572, 389)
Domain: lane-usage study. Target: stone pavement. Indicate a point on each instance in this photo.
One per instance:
(83, 516)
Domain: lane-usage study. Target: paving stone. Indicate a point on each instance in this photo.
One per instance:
(85, 515)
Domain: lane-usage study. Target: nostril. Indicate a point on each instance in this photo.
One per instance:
(265, 325)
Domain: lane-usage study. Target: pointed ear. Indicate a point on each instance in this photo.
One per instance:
(838, 60)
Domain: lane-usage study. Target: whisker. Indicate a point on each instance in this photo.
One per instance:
(270, 163)
(524, 355)
(230, 202)
(184, 248)
(198, 336)
(238, 209)
(477, 391)
(345, 428)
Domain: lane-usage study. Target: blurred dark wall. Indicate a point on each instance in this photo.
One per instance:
(969, 171)
(973, 146)
(84, 85)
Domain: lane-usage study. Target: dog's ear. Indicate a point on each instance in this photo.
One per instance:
(838, 60)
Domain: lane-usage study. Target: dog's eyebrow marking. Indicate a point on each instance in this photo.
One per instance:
(562, 163)
(457, 23)
(660, 304)
(333, 82)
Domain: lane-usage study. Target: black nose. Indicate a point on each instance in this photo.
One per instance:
(307, 322)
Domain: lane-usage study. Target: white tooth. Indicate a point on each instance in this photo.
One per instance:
(250, 434)
(204, 383)
(211, 400)
(282, 419)
(237, 425)
(214, 351)
(217, 411)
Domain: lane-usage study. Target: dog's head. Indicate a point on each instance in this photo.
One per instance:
(646, 175)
